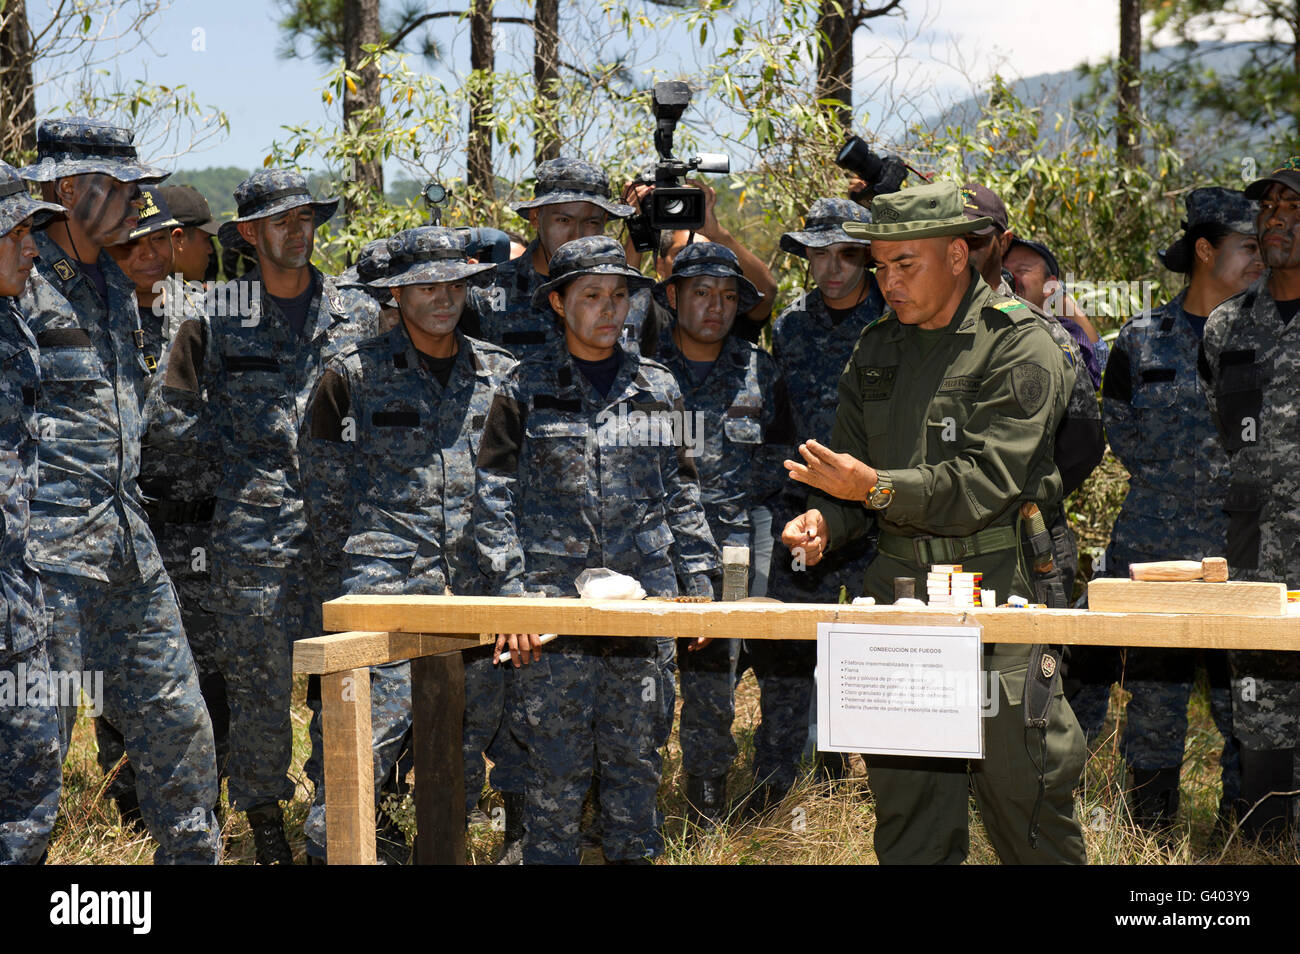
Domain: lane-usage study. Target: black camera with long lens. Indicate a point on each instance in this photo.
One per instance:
(882, 174)
(671, 205)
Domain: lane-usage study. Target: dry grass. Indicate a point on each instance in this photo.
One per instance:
(818, 823)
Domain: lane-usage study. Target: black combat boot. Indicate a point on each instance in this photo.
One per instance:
(512, 846)
(128, 806)
(1154, 797)
(706, 801)
(1266, 818)
(267, 823)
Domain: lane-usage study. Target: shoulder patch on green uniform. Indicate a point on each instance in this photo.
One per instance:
(1010, 306)
(1029, 383)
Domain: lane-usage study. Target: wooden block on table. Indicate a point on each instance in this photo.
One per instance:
(1198, 598)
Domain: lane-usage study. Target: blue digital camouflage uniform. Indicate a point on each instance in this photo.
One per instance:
(1159, 427)
(570, 480)
(810, 349)
(30, 775)
(744, 429)
(508, 316)
(235, 389)
(1250, 362)
(113, 608)
(390, 499)
(178, 501)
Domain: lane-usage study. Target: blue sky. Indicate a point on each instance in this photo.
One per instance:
(225, 52)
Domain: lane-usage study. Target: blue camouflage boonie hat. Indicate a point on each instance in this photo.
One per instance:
(430, 255)
(572, 180)
(78, 146)
(269, 192)
(824, 226)
(1211, 205)
(594, 255)
(710, 258)
(17, 204)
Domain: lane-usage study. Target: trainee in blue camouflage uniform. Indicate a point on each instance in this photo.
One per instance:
(1250, 361)
(388, 449)
(177, 489)
(571, 200)
(572, 476)
(811, 342)
(1160, 429)
(742, 429)
(113, 608)
(30, 776)
(234, 389)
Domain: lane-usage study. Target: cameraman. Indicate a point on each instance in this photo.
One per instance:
(634, 194)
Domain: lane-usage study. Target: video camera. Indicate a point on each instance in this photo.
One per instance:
(671, 206)
(484, 244)
(882, 174)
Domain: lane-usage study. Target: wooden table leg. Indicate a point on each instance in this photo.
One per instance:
(349, 768)
(438, 713)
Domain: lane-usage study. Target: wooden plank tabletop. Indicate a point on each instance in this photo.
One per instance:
(391, 626)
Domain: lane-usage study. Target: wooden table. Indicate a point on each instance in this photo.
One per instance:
(431, 630)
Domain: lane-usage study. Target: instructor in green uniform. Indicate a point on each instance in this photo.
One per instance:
(943, 435)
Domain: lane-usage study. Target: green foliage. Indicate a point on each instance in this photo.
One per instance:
(1062, 183)
(319, 23)
(1264, 94)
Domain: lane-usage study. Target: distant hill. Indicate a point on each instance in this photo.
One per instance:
(1055, 92)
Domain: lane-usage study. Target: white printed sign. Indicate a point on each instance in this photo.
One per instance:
(900, 690)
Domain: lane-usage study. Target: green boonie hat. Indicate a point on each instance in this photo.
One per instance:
(926, 211)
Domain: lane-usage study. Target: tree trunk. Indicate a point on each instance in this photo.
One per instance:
(1127, 76)
(1295, 62)
(361, 27)
(546, 73)
(481, 61)
(836, 22)
(17, 93)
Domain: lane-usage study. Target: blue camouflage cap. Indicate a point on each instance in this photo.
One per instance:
(710, 258)
(593, 255)
(269, 192)
(154, 216)
(17, 204)
(572, 180)
(372, 262)
(824, 225)
(1212, 205)
(78, 146)
(429, 255)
